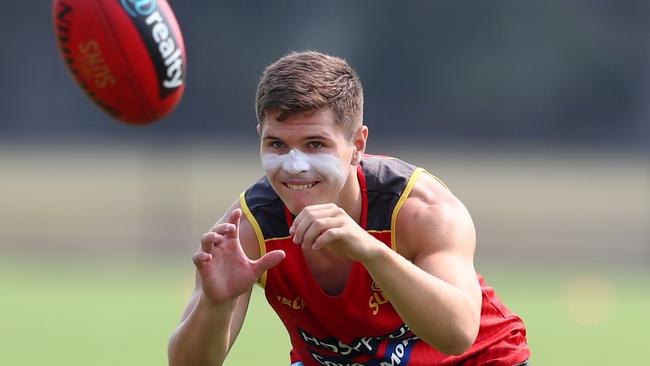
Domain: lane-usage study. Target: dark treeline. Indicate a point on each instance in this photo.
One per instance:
(516, 72)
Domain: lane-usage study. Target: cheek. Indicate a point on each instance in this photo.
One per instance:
(329, 166)
(271, 163)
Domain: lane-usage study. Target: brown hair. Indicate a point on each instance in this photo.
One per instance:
(304, 81)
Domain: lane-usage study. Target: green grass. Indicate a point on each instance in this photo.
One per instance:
(79, 313)
(581, 317)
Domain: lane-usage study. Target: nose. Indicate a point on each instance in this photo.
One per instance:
(296, 163)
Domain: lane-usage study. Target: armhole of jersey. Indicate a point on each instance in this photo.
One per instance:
(402, 199)
(398, 206)
(438, 179)
(258, 233)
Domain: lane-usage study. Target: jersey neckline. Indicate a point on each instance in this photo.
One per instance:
(354, 268)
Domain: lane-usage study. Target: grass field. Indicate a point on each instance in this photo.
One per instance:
(54, 313)
(95, 247)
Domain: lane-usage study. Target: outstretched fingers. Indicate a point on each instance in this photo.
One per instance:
(204, 255)
(230, 227)
(201, 258)
(233, 224)
(210, 240)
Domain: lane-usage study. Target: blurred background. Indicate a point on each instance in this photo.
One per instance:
(536, 114)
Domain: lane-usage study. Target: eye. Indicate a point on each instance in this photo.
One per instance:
(277, 144)
(315, 145)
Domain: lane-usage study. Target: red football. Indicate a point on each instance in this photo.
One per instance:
(127, 55)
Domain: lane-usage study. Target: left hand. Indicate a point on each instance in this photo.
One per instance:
(329, 226)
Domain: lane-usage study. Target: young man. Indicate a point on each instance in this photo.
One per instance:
(367, 260)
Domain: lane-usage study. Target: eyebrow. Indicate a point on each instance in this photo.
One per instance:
(317, 137)
(271, 138)
(306, 138)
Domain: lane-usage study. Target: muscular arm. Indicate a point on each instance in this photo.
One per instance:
(208, 329)
(442, 302)
(431, 280)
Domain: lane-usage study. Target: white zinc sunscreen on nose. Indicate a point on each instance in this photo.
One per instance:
(297, 163)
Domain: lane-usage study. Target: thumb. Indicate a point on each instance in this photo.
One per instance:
(269, 260)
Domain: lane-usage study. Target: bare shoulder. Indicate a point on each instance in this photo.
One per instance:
(433, 219)
(248, 238)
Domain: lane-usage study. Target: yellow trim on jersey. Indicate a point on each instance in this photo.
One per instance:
(279, 238)
(402, 199)
(439, 180)
(378, 231)
(258, 232)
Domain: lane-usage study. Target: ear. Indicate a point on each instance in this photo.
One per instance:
(360, 139)
(259, 130)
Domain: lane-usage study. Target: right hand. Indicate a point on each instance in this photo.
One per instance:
(225, 270)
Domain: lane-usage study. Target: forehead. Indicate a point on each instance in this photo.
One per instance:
(321, 122)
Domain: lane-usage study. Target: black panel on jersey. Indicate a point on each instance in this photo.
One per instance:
(386, 179)
(268, 209)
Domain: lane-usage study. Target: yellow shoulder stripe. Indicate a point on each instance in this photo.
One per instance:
(402, 199)
(398, 206)
(258, 233)
(438, 179)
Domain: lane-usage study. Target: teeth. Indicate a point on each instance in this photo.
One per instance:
(300, 186)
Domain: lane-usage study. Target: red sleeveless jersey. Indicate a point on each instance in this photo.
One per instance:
(360, 326)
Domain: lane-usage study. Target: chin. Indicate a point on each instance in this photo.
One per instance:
(297, 205)
(297, 200)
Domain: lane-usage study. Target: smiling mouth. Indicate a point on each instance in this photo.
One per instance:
(299, 187)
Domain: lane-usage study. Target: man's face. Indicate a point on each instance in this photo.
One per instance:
(307, 158)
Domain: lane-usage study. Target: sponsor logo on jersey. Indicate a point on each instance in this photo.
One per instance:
(376, 299)
(297, 303)
(161, 42)
(396, 345)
